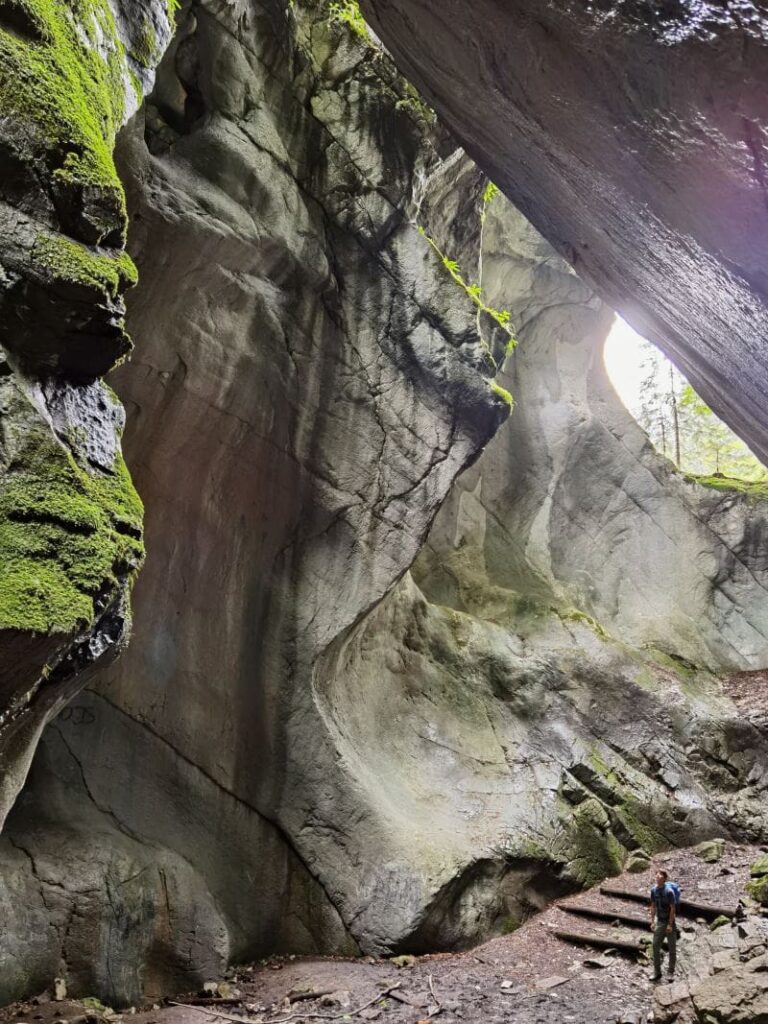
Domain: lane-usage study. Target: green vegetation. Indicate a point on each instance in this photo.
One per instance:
(348, 13)
(473, 291)
(503, 394)
(575, 615)
(92, 1003)
(683, 668)
(143, 51)
(683, 428)
(63, 87)
(758, 889)
(510, 924)
(65, 533)
(754, 488)
(71, 261)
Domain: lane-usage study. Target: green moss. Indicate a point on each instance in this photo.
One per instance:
(503, 394)
(758, 889)
(593, 854)
(646, 837)
(144, 48)
(760, 867)
(348, 13)
(510, 924)
(65, 533)
(68, 84)
(71, 261)
(682, 667)
(755, 489)
(575, 615)
(92, 1003)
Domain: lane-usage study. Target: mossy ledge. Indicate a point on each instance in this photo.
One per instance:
(68, 535)
(66, 79)
(78, 264)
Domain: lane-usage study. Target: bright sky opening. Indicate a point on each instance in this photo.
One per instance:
(624, 353)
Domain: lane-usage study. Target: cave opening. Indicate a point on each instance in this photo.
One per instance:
(678, 422)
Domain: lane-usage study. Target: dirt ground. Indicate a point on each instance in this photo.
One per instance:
(529, 976)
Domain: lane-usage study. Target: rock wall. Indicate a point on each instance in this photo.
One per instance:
(632, 135)
(70, 520)
(309, 382)
(306, 748)
(571, 506)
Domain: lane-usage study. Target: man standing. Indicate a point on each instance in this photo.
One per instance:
(662, 909)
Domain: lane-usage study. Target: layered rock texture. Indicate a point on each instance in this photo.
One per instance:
(310, 382)
(632, 134)
(70, 520)
(308, 747)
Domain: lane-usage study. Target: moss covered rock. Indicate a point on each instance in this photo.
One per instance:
(70, 545)
(70, 75)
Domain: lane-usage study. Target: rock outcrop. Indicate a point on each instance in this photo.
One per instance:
(309, 383)
(632, 135)
(307, 748)
(70, 520)
(571, 506)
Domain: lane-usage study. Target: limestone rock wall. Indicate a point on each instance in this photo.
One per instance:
(571, 506)
(70, 520)
(306, 748)
(309, 382)
(632, 135)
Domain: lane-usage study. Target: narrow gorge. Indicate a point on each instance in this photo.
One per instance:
(345, 609)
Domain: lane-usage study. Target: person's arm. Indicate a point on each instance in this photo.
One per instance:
(671, 921)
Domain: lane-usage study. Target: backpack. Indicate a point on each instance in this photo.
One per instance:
(674, 886)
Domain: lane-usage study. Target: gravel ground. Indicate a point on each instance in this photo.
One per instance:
(530, 976)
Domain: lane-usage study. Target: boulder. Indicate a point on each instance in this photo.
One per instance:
(710, 851)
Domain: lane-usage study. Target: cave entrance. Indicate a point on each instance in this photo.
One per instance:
(678, 422)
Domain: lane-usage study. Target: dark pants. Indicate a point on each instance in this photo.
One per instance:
(659, 933)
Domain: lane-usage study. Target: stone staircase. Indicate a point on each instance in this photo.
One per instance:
(616, 918)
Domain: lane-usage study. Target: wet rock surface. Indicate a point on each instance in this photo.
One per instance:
(310, 382)
(632, 136)
(70, 520)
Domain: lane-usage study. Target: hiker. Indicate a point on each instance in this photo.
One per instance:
(663, 909)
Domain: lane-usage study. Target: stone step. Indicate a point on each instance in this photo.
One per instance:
(633, 947)
(689, 908)
(600, 914)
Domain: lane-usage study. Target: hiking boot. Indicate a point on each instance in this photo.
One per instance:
(670, 977)
(655, 978)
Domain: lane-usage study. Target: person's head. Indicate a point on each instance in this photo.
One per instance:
(661, 877)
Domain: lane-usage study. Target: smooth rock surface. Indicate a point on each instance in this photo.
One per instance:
(70, 520)
(571, 507)
(632, 135)
(310, 382)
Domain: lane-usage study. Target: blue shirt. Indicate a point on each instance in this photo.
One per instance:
(663, 898)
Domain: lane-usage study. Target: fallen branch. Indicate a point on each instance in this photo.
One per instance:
(298, 997)
(292, 1016)
(213, 1013)
(405, 1000)
(438, 1005)
(216, 1001)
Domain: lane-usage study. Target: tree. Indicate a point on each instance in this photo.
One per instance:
(684, 429)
